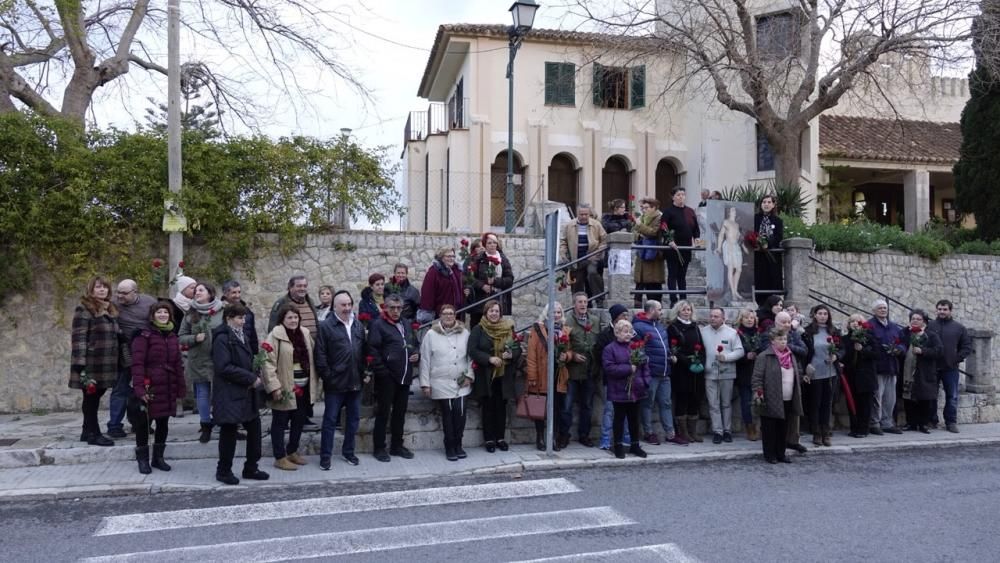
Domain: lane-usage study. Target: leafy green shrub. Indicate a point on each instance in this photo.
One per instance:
(979, 247)
(790, 199)
(862, 236)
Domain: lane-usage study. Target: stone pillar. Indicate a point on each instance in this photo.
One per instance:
(916, 199)
(797, 268)
(620, 280)
(981, 378)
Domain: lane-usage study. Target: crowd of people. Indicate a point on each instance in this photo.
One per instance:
(455, 336)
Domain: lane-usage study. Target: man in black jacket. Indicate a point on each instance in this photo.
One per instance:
(394, 349)
(341, 351)
(682, 220)
(957, 347)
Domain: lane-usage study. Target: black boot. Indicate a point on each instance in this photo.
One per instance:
(636, 450)
(620, 451)
(158, 457)
(540, 440)
(449, 451)
(142, 456)
(206, 433)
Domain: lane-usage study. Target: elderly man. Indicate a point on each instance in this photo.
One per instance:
(298, 293)
(394, 356)
(341, 349)
(133, 316)
(722, 348)
(889, 346)
(580, 238)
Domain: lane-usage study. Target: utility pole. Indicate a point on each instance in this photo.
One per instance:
(176, 249)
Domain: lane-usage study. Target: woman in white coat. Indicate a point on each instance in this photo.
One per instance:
(446, 376)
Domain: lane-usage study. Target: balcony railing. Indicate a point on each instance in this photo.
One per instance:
(438, 119)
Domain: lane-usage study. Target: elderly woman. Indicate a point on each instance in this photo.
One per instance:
(777, 394)
(628, 381)
(98, 352)
(234, 402)
(202, 318)
(494, 353)
(442, 286)
(373, 296)
(859, 353)
(688, 373)
(746, 328)
(649, 272)
(920, 383)
(492, 274)
(286, 378)
(182, 300)
(822, 341)
(538, 361)
(445, 376)
(157, 382)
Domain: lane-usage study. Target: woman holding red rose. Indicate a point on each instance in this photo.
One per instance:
(770, 229)
(538, 361)
(920, 383)
(157, 383)
(97, 354)
(822, 341)
(687, 378)
(626, 370)
(288, 370)
(491, 275)
(200, 322)
(858, 346)
(494, 351)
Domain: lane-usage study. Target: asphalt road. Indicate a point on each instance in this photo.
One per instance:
(927, 505)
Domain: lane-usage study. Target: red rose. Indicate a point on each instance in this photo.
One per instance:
(634, 345)
(663, 225)
(157, 263)
(211, 311)
(896, 341)
(719, 349)
(369, 359)
(185, 347)
(495, 260)
(364, 317)
(180, 264)
(267, 347)
(829, 339)
(464, 242)
(91, 389)
(836, 340)
(472, 267)
(298, 391)
(415, 325)
(475, 365)
(587, 328)
(697, 347)
(673, 342)
(631, 197)
(147, 382)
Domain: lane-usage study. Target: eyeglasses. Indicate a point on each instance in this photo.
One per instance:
(395, 307)
(448, 313)
(449, 256)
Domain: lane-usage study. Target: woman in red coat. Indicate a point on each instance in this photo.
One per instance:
(157, 382)
(442, 286)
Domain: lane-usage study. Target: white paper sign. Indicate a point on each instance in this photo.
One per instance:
(620, 261)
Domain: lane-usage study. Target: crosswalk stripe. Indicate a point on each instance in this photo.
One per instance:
(381, 539)
(189, 518)
(667, 552)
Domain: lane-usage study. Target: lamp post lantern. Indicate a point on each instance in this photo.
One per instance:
(523, 14)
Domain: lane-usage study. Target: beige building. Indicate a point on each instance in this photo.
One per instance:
(591, 124)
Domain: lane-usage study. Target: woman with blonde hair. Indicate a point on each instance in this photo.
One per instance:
(859, 355)
(97, 354)
(628, 382)
(746, 328)
(687, 376)
(538, 361)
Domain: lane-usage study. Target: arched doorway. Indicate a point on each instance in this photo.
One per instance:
(614, 182)
(563, 180)
(666, 181)
(498, 189)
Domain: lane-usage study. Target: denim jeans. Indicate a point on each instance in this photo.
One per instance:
(582, 392)
(333, 402)
(606, 421)
(746, 409)
(119, 398)
(949, 379)
(659, 391)
(203, 398)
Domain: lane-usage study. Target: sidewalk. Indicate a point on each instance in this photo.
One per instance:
(45, 461)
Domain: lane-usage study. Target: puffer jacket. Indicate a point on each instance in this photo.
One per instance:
(657, 345)
(156, 357)
(444, 358)
(234, 397)
(617, 366)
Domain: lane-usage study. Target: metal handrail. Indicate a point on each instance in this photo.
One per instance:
(861, 283)
(838, 300)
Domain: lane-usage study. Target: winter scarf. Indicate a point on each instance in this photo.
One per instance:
(183, 303)
(300, 354)
(500, 332)
(455, 328)
(207, 309)
(784, 357)
(164, 327)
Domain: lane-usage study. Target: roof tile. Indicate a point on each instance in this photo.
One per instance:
(896, 140)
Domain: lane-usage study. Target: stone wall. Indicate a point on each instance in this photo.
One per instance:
(34, 351)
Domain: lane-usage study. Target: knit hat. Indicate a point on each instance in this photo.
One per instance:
(616, 310)
(183, 282)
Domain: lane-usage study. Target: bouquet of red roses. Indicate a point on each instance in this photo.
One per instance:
(754, 242)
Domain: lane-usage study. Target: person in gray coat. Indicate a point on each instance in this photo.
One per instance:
(776, 394)
(235, 398)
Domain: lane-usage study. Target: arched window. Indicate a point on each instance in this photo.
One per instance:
(562, 180)
(666, 181)
(498, 189)
(615, 181)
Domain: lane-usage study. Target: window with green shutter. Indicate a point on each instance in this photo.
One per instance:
(560, 84)
(619, 87)
(637, 95)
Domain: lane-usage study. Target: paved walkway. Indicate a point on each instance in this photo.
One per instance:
(46, 461)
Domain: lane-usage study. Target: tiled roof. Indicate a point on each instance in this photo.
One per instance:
(867, 138)
(542, 35)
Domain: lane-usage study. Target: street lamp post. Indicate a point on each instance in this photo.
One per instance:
(523, 14)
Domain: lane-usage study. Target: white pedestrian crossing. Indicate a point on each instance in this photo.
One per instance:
(158, 521)
(664, 552)
(381, 539)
